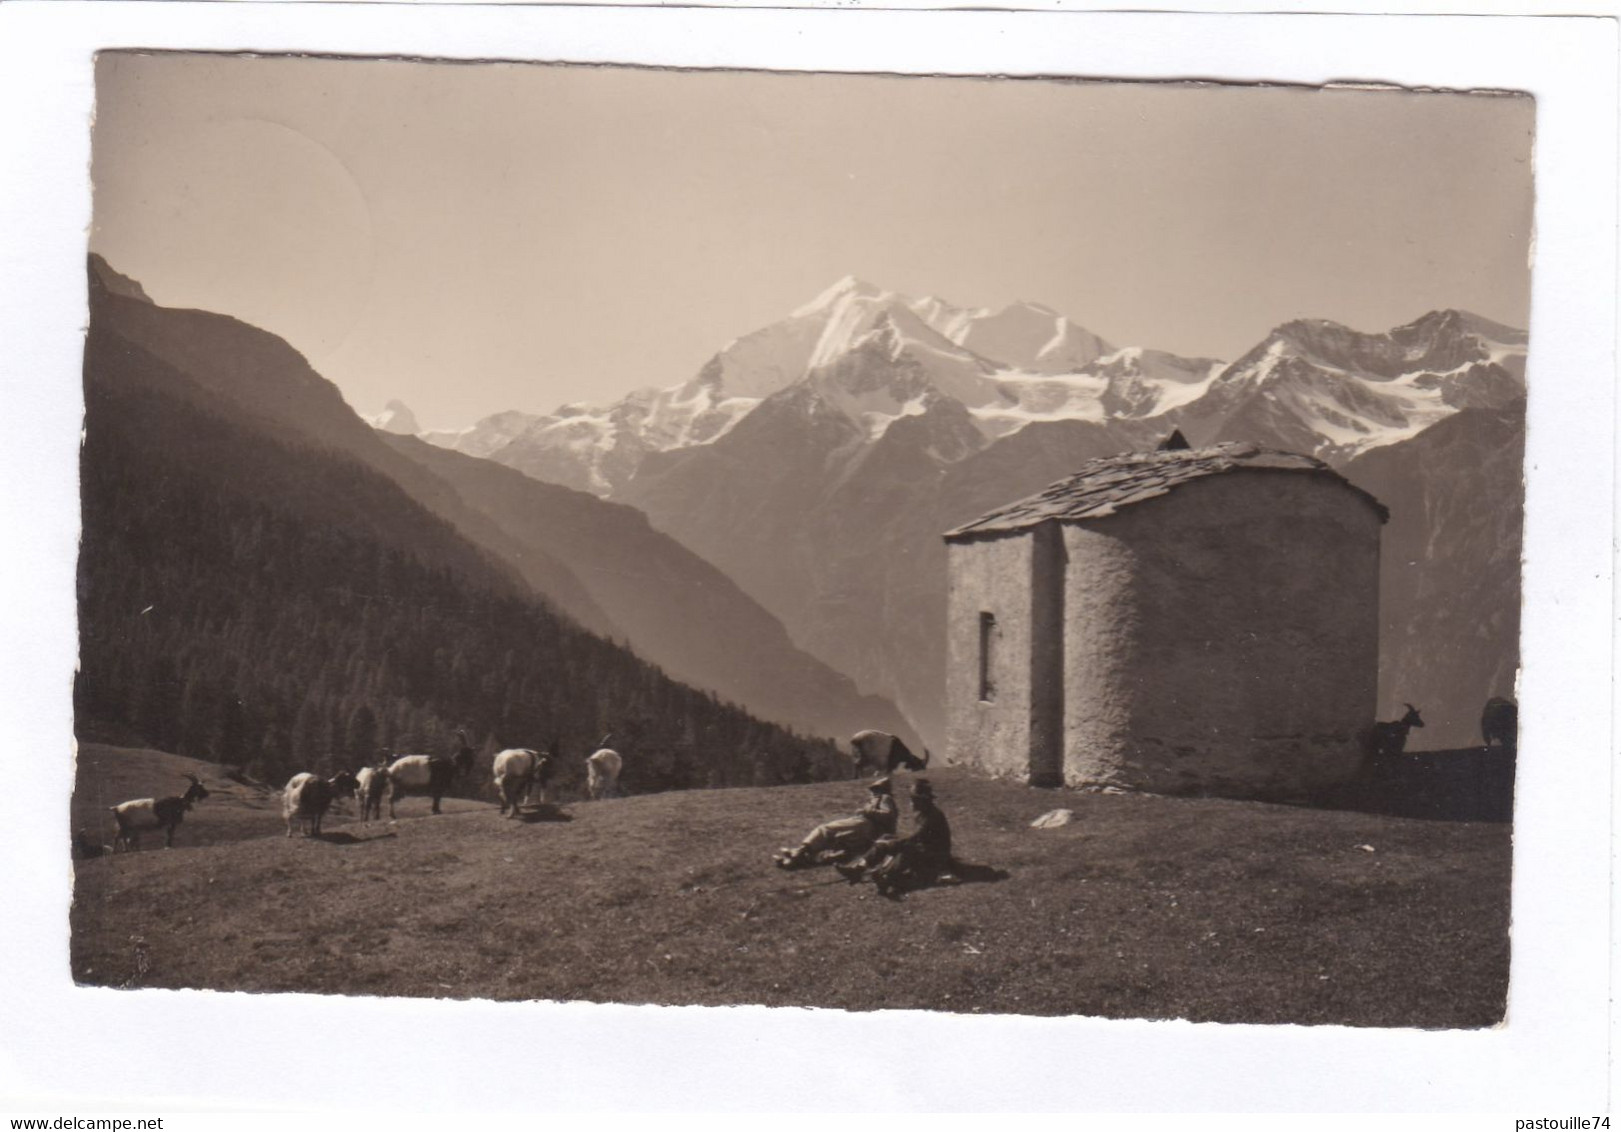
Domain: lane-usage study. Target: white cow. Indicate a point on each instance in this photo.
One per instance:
(602, 774)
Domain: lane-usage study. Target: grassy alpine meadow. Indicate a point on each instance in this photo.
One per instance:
(1142, 907)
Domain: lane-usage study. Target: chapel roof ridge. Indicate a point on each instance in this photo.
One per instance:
(1104, 485)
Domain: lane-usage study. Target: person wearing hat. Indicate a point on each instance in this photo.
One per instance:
(896, 864)
(849, 836)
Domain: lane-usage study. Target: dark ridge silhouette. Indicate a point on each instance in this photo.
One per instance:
(252, 595)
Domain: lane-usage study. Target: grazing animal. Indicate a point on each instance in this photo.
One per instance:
(1500, 723)
(84, 848)
(602, 774)
(1387, 739)
(883, 753)
(370, 783)
(429, 776)
(306, 798)
(518, 771)
(140, 814)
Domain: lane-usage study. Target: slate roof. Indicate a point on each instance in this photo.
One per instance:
(1103, 486)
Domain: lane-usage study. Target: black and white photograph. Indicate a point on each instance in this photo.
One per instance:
(1024, 546)
(857, 543)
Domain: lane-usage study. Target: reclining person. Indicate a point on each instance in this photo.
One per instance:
(898, 864)
(847, 837)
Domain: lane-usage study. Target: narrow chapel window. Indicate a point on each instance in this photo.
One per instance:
(987, 634)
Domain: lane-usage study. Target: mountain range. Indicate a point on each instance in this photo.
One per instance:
(874, 356)
(816, 461)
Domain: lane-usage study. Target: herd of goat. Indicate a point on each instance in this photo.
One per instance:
(521, 771)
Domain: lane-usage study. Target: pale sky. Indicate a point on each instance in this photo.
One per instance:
(470, 238)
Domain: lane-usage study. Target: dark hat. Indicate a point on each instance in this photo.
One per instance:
(922, 789)
(879, 785)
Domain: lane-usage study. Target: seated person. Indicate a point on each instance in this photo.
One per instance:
(846, 837)
(896, 864)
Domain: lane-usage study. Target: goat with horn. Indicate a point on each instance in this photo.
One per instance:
(140, 814)
(1387, 739)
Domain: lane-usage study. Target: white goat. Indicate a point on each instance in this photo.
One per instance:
(154, 813)
(518, 771)
(306, 798)
(370, 782)
(602, 774)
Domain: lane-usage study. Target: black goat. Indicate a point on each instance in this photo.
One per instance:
(1500, 723)
(883, 753)
(84, 848)
(1387, 739)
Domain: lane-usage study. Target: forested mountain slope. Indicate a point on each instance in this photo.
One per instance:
(672, 606)
(254, 596)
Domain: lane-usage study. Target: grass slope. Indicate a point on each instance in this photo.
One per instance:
(1143, 907)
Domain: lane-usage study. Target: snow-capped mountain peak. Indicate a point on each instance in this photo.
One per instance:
(851, 316)
(396, 418)
(484, 437)
(1318, 386)
(876, 357)
(1022, 335)
(843, 291)
(872, 355)
(1439, 341)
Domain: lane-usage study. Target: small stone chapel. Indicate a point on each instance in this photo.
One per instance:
(1186, 621)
